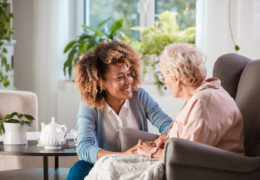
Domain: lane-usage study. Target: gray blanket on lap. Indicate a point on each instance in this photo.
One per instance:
(126, 167)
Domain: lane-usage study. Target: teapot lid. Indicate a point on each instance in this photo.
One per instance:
(52, 124)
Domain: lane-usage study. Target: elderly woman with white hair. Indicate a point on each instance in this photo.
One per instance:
(209, 115)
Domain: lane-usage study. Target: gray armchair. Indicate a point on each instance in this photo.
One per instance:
(186, 160)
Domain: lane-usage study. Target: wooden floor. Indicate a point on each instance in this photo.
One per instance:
(34, 174)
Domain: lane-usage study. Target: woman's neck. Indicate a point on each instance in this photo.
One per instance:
(188, 91)
(116, 105)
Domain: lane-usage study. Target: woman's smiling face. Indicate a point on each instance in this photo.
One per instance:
(118, 83)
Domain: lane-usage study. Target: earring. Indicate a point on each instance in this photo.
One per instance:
(101, 90)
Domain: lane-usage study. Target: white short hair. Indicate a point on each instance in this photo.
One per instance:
(184, 61)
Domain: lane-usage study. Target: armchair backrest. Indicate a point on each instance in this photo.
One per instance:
(248, 101)
(240, 76)
(19, 101)
(228, 68)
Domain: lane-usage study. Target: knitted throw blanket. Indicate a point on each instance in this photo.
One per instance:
(126, 167)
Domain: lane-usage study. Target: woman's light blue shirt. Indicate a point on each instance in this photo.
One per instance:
(91, 123)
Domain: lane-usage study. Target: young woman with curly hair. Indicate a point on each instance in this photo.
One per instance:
(108, 80)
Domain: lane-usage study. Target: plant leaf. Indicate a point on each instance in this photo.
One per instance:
(69, 45)
(237, 48)
(6, 83)
(29, 117)
(1, 127)
(20, 115)
(8, 116)
(82, 48)
(3, 61)
(83, 37)
(115, 27)
(4, 50)
(21, 118)
(102, 23)
(12, 121)
(68, 63)
(93, 30)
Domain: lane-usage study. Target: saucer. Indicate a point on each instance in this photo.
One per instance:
(48, 147)
(52, 147)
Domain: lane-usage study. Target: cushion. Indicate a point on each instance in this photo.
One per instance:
(248, 101)
(129, 137)
(228, 68)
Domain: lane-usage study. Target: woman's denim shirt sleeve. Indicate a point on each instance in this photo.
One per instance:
(87, 147)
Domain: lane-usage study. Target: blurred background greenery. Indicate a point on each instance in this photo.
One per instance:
(102, 9)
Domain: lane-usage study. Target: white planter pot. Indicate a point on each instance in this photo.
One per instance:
(15, 133)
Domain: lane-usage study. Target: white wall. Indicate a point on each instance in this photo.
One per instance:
(248, 27)
(213, 34)
(41, 31)
(24, 16)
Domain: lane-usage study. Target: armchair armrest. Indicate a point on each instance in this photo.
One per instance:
(129, 137)
(190, 160)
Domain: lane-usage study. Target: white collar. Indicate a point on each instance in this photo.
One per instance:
(125, 106)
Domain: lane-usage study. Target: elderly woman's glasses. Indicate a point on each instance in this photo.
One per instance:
(160, 76)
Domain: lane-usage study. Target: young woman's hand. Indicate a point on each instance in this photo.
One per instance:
(144, 148)
(133, 150)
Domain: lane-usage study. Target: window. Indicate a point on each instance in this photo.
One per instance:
(99, 10)
(186, 10)
(138, 12)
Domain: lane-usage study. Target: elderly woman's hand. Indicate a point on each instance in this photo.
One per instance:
(144, 148)
(160, 141)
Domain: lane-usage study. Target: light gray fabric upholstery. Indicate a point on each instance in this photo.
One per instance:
(186, 160)
(129, 137)
(228, 69)
(248, 101)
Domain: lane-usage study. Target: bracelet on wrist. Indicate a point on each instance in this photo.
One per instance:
(153, 151)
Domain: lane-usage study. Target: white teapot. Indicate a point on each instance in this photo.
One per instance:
(53, 135)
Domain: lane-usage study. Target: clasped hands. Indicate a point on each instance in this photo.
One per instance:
(149, 148)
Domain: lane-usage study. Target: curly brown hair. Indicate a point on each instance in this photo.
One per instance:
(93, 66)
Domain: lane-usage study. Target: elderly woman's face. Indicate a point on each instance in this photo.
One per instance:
(172, 82)
(118, 83)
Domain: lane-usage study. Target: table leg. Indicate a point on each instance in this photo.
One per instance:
(45, 168)
(56, 162)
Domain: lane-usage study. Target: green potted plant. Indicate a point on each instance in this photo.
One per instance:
(5, 36)
(14, 127)
(152, 40)
(89, 39)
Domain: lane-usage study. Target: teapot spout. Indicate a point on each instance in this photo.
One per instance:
(43, 125)
(52, 119)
